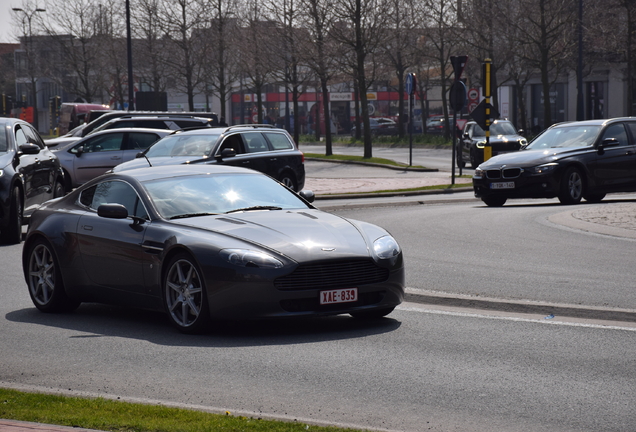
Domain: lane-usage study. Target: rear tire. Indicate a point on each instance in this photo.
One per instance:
(44, 279)
(12, 233)
(289, 180)
(494, 201)
(572, 187)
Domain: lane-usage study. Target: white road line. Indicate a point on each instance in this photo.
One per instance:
(413, 307)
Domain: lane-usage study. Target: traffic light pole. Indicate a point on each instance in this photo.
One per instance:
(487, 95)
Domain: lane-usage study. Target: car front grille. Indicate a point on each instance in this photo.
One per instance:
(504, 173)
(338, 274)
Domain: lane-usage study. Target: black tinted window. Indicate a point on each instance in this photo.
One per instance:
(617, 131)
(141, 141)
(4, 143)
(114, 192)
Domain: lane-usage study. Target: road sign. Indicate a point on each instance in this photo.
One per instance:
(479, 114)
(473, 95)
(458, 95)
(459, 63)
(472, 106)
(410, 84)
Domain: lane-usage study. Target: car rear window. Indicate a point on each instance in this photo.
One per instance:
(279, 141)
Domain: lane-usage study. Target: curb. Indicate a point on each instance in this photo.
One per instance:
(519, 306)
(446, 191)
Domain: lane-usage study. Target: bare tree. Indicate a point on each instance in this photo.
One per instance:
(79, 67)
(318, 20)
(255, 46)
(182, 22)
(441, 37)
(149, 57)
(222, 62)
(546, 30)
(361, 28)
(403, 21)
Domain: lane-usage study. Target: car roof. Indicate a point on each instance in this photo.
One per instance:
(166, 171)
(215, 130)
(596, 122)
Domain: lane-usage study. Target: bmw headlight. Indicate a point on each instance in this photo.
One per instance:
(1, 172)
(479, 173)
(386, 247)
(544, 169)
(250, 258)
(481, 144)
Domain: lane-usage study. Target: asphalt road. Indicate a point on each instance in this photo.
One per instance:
(423, 368)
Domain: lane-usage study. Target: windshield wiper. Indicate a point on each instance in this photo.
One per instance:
(189, 215)
(254, 208)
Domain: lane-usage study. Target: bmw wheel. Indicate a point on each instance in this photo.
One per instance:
(572, 187)
(12, 234)
(185, 295)
(46, 286)
(59, 190)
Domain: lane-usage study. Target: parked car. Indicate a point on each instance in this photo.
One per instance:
(504, 138)
(207, 242)
(103, 117)
(155, 122)
(380, 126)
(30, 174)
(98, 152)
(263, 148)
(571, 161)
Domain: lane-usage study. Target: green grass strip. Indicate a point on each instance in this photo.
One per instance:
(353, 158)
(111, 415)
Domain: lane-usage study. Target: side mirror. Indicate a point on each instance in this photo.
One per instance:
(226, 153)
(29, 148)
(520, 132)
(465, 135)
(112, 211)
(607, 142)
(139, 155)
(307, 195)
(77, 151)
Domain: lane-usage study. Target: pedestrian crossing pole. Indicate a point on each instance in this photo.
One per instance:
(487, 95)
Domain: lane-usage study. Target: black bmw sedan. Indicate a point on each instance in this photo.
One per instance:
(571, 161)
(206, 242)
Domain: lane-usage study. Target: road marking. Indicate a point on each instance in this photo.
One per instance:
(571, 322)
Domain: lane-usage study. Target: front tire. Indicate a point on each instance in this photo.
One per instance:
(12, 233)
(44, 279)
(185, 295)
(572, 187)
(494, 201)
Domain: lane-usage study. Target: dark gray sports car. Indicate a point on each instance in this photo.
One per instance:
(207, 242)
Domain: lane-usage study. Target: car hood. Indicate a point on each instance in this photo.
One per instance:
(158, 161)
(302, 234)
(499, 138)
(527, 158)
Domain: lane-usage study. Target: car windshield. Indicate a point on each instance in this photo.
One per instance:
(568, 136)
(199, 195)
(4, 144)
(183, 145)
(496, 129)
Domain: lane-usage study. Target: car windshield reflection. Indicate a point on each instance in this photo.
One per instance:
(192, 196)
(183, 145)
(569, 136)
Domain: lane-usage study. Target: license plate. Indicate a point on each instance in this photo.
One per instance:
(339, 296)
(502, 185)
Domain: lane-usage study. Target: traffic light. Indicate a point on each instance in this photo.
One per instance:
(7, 105)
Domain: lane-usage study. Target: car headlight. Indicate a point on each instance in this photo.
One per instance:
(544, 169)
(1, 172)
(479, 173)
(480, 144)
(386, 247)
(523, 142)
(250, 258)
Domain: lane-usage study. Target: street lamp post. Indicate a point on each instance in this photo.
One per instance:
(29, 45)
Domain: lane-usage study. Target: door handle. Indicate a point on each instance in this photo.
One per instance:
(87, 227)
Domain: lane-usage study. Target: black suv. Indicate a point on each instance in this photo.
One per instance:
(29, 175)
(504, 138)
(263, 148)
(155, 122)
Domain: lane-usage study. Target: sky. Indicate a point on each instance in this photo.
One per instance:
(6, 29)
